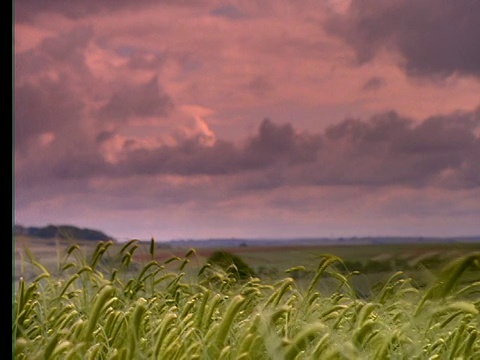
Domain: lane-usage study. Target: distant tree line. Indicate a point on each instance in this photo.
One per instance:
(61, 232)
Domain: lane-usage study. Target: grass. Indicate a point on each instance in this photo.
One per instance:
(104, 304)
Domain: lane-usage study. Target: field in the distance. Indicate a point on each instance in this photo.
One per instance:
(375, 262)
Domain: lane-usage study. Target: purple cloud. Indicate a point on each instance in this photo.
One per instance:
(147, 99)
(49, 107)
(228, 11)
(389, 149)
(384, 150)
(25, 10)
(436, 39)
(374, 83)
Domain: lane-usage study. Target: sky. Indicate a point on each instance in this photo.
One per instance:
(248, 119)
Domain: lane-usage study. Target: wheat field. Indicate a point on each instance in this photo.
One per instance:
(103, 304)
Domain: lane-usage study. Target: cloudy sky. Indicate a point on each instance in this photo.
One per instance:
(205, 118)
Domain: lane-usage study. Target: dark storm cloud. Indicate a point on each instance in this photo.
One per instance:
(190, 157)
(104, 136)
(69, 48)
(436, 38)
(146, 99)
(228, 11)
(78, 165)
(279, 143)
(48, 107)
(390, 149)
(260, 86)
(374, 83)
(387, 149)
(58, 53)
(46, 94)
(272, 145)
(26, 10)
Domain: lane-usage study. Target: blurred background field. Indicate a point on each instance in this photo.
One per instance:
(372, 264)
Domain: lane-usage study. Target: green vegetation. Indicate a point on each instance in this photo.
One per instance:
(61, 232)
(106, 304)
(231, 263)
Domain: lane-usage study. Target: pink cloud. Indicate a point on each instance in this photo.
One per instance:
(156, 110)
